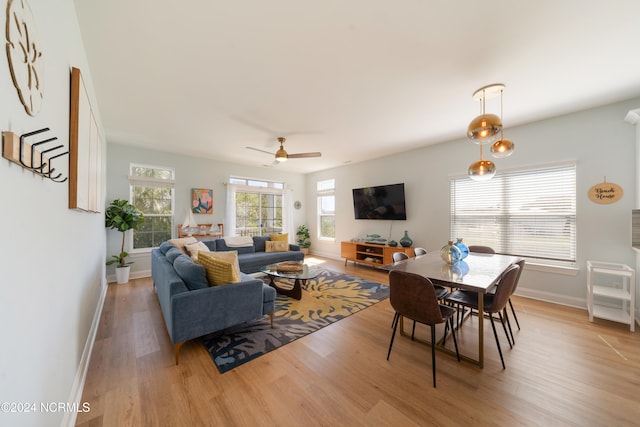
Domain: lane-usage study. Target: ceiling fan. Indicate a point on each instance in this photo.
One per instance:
(282, 156)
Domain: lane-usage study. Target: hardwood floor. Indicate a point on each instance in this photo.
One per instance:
(563, 371)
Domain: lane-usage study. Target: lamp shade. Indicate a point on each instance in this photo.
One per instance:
(502, 148)
(281, 155)
(484, 128)
(482, 170)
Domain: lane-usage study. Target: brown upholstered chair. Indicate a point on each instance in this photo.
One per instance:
(441, 291)
(489, 250)
(481, 249)
(493, 303)
(414, 297)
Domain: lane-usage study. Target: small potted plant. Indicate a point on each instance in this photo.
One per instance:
(122, 216)
(303, 239)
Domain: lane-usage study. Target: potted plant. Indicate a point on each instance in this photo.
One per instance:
(122, 216)
(303, 239)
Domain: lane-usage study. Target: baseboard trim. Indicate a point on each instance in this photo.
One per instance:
(552, 298)
(75, 396)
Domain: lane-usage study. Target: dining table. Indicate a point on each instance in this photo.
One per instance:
(478, 272)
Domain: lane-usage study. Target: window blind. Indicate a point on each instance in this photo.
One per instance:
(529, 213)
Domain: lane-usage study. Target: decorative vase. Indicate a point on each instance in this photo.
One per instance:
(450, 253)
(406, 241)
(392, 243)
(122, 274)
(463, 248)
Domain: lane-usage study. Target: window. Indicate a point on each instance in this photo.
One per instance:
(526, 212)
(326, 209)
(258, 207)
(151, 191)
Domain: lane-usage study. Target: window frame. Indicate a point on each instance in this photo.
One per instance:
(510, 192)
(321, 193)
(142, 181)
(260, 187)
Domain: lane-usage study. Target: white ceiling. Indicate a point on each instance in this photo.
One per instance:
(355, 79)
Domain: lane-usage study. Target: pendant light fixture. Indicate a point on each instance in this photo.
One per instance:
(502, 147)
(482, 170)
(487, 129)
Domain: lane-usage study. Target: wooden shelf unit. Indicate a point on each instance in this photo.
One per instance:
(200, 235)
(612, 298)
(371, 253)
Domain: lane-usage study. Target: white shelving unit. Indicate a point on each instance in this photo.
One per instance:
(611, 292)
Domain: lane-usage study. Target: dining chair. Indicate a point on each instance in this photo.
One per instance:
(493, 303)
(399, 256)
(489, 250)
(420, 251)
(414, 297)
(481, 249)
(441, 291)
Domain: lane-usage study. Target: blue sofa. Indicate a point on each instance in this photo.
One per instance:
(191, 308)
(253, 258)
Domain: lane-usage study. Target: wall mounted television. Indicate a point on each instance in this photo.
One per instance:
(380, 202)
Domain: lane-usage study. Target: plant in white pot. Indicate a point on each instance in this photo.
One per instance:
(303, 238)
(122, 216)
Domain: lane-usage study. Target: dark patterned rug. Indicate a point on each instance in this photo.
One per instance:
(326, 299)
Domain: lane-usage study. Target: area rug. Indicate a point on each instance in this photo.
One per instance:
(326, 299)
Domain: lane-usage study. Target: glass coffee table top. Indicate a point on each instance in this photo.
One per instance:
(299, 277)
(308, 272)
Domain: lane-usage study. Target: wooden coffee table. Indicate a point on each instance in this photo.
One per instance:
(299, 279)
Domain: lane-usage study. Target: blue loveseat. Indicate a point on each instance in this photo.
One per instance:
(191, 308)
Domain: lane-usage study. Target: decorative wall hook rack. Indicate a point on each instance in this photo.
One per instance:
(17, 150)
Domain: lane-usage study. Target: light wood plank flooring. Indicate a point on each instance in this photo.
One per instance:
(563, 371)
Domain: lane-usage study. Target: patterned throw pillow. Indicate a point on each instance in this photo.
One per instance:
(194, 248)
(279, 237)
(276, 246)
(219, 272)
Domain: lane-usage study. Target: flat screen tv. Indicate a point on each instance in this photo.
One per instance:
(380, 202)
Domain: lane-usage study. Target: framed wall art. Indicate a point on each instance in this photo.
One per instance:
(85, 150)
(201, 201)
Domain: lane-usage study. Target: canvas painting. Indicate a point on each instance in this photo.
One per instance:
(201, 200)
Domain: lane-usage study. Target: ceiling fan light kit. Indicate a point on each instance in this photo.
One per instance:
(487, 129)
(282, 155)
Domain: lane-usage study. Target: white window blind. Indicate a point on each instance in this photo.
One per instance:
(526, 212)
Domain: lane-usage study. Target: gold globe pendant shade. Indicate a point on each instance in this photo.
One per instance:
(484, 129)
(502, 148)
(482, 170)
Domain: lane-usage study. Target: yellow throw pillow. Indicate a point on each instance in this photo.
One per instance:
(219, 272)
(228, 256)
(194, 248)
(276, 246)
(180, 243)
(279, 237)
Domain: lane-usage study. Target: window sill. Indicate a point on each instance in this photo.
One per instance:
(566, 271)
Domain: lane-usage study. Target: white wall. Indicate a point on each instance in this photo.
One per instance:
(190, 172)
(51, 258)
(598, 139)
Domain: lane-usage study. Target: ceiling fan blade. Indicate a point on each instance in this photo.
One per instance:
(262, 151)
(304, 155)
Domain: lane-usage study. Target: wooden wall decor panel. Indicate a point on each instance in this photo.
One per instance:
(85, 149)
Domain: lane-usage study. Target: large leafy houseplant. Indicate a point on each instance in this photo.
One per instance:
(122, 216)
(303, 239)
